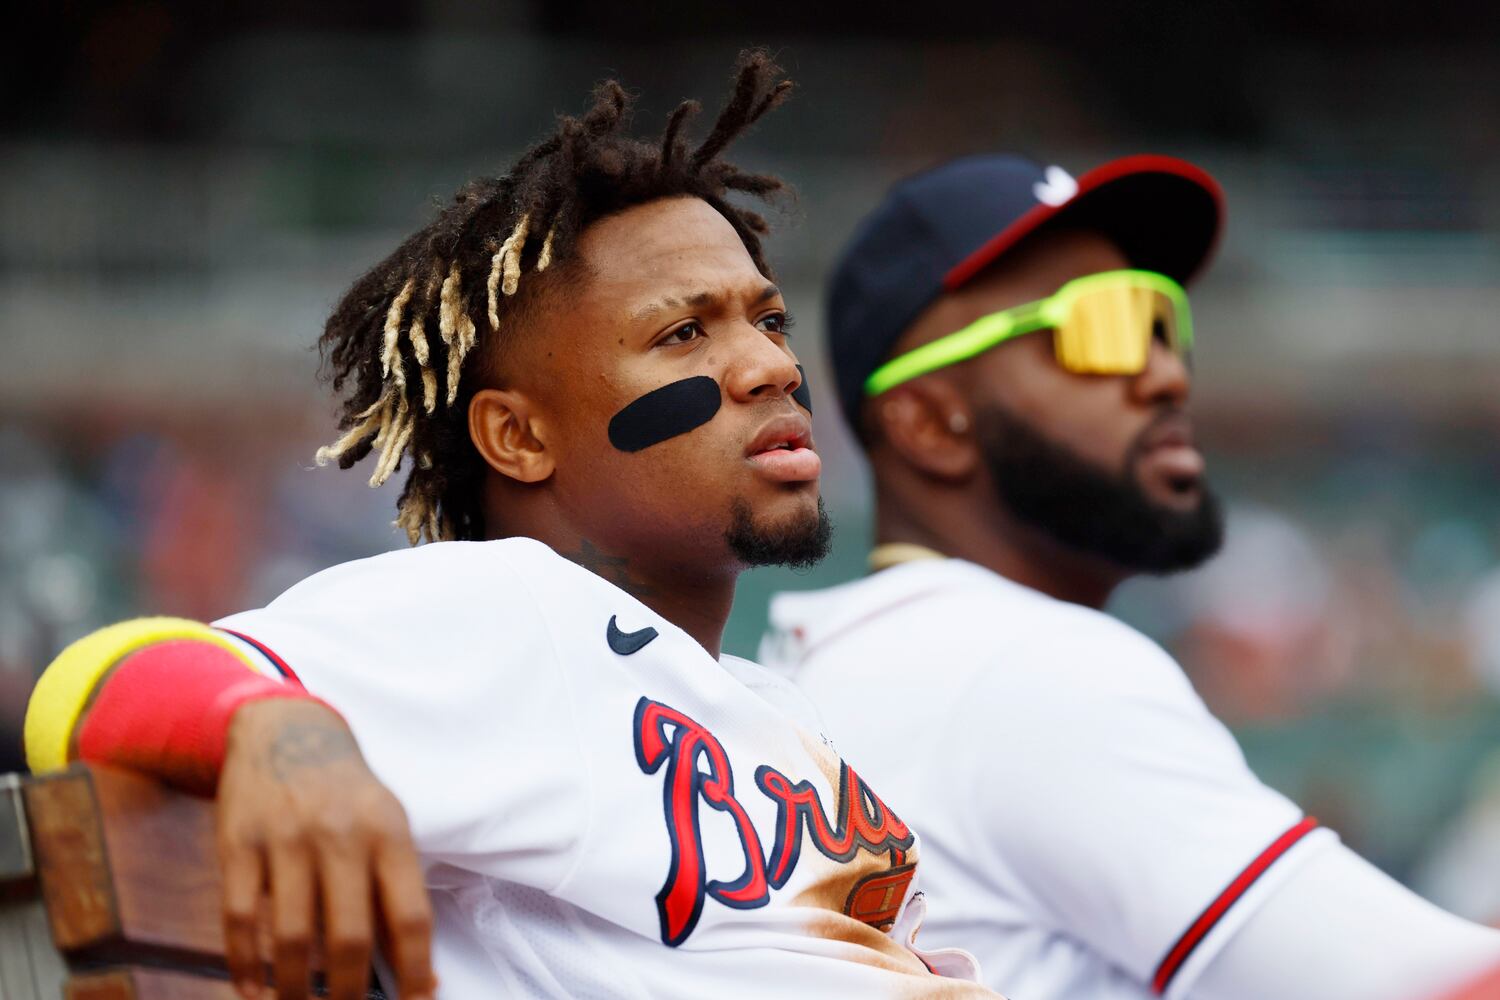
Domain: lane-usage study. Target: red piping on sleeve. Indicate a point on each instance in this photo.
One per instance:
(269, 654)
(1200, 928)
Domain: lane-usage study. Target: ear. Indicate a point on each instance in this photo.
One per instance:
(930, 424)
(502, 425)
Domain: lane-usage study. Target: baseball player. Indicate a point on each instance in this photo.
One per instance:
(1011, 346)
(587, 373)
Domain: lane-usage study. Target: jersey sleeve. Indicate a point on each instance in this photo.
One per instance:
(1342, 928)
(442, 663)
(1121, 810)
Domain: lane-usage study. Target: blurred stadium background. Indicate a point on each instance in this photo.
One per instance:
(186, 188)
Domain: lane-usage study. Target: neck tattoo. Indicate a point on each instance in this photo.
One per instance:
(614, 569)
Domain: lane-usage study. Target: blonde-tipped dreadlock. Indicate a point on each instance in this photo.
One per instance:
(470, 261)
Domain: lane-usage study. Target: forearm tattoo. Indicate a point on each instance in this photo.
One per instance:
(300, 745)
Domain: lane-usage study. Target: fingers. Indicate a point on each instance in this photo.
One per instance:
(348, 924)
(315, 835)
(348, 929)
(244, 876)
(407, 915)
(292, 898)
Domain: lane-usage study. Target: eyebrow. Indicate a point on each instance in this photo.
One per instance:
(698, 300)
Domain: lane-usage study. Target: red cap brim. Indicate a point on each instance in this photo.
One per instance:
(1164, 213)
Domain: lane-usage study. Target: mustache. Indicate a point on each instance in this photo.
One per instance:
(1171, 425)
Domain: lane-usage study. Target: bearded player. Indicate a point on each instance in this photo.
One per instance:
(586, 371)
(1011, 346)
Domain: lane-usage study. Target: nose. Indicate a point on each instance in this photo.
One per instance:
(1165, 378)
(761, 369)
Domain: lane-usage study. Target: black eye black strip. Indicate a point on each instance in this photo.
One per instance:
(802, 394)
(675, 408)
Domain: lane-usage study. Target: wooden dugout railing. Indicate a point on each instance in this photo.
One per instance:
(109, 890)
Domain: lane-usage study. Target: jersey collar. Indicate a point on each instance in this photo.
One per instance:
(801, 621)
(895, 553)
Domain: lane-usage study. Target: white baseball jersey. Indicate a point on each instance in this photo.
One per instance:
(603, 810)
(1089, 829)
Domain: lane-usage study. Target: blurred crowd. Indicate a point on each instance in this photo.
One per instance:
(103, 523)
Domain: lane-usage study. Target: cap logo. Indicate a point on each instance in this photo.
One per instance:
(1056, 189)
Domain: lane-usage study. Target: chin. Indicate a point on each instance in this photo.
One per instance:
(795, 500)
(1183, 498)
(779, 506)
(796, 534)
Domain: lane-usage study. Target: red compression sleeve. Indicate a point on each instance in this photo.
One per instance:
(165, 710)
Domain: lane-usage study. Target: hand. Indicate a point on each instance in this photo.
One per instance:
(299, 812)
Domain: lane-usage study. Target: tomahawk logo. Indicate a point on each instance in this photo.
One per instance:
(1056, 187)
(698, 772)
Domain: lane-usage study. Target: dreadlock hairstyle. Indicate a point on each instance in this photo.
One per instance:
(404, 391)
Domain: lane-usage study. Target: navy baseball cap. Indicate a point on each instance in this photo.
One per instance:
(938, 229)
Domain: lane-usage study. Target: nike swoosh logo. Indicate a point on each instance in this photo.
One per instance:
(626, 643)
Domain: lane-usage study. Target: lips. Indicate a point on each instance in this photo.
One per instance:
(783, 450)
(1168, 445)
(788, 433)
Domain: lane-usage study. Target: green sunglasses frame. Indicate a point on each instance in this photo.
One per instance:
(1043, 314)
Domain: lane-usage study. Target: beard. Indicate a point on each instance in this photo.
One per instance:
(1086, 508)
(798, 545)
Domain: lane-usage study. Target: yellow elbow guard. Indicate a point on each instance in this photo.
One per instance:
(64, 689)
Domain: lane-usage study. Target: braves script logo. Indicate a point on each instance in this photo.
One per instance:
(698, 771)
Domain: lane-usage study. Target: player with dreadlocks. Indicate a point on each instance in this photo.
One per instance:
(465, 271)
(586, 366)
